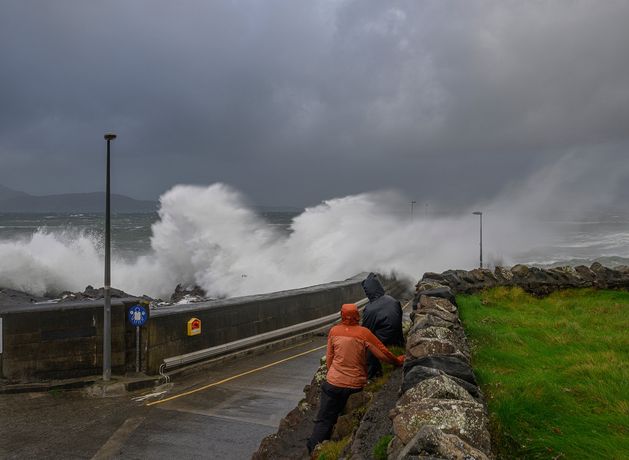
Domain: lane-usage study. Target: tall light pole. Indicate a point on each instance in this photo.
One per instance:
(107, 310)
(412, 205)
(480, 214)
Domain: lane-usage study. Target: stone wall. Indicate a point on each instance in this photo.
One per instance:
(441, 412)
(537, 281)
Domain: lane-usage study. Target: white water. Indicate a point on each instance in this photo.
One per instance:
(210, 237)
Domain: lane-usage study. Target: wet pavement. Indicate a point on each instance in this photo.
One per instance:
(221, 413)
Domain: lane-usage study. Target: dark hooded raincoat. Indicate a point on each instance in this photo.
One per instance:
(383, 317)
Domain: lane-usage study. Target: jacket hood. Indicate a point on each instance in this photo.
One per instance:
(372, 287)
(349, 314)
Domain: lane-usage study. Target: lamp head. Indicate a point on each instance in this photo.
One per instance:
(477, 213)
(110, 136)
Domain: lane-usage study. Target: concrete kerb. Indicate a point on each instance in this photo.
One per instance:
(70, 384)
(130, 383)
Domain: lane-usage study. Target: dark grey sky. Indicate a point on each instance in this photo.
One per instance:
(293, 101)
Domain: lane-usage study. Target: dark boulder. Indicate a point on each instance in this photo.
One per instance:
(452, 365)
(192, 294)
(585, 274)
(608, 277)
(503, 275)
(441, 292)
(424, 320)
(420, 373)
(433, 277)
(431, 442)
(465, 419)
(90, 293)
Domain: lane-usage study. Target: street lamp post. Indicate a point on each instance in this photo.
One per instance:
(412, 205)
(107, 310)
(480, 214)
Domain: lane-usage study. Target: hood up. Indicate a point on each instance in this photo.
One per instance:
(349, 314)
(372, 287)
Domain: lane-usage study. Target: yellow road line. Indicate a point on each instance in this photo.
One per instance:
(233, 377)
(293, 346)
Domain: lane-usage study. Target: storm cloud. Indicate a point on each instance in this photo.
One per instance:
(451, 102)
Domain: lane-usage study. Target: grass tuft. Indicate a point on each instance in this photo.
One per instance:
(380, 449)
(332, 450)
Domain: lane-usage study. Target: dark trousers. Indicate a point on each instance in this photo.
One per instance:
(331, 404)
(374, 368)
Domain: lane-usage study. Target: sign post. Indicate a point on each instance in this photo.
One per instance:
(138, 315)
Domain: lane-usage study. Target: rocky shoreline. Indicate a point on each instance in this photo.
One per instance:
(181, 295)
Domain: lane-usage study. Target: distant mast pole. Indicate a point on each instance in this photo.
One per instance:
(480, 214)
(481, 240)
(107, 309)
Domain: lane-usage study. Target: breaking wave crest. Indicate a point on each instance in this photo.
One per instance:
(209, 236)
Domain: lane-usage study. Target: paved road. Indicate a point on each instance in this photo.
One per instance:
(218, 414)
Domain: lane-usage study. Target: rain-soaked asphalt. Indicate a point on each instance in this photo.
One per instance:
(222, 421)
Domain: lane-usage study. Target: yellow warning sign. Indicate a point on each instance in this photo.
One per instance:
(194, 326)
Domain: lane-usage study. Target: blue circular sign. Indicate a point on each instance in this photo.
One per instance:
(138, 315)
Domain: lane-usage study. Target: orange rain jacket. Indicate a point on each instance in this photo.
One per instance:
(346, 356)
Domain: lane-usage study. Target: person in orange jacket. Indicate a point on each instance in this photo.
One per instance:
(346, 360)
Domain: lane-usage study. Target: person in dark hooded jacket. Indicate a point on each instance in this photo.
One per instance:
(383, 317)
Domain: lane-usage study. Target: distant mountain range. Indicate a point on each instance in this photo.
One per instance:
(16, 201)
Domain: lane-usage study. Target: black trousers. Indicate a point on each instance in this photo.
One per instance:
(374, 368)
(331, 404)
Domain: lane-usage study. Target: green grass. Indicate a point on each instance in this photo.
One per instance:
(555, 371)
(331, 450)
(380, 449)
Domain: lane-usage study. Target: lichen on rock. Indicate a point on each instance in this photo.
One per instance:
(430, 441)
(465, 419)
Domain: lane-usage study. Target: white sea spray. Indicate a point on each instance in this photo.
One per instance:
(209, 236)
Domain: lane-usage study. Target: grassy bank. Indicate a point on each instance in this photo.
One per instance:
(555, 371)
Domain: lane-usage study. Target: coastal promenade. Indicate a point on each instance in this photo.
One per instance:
(221, 413)
(232, 384)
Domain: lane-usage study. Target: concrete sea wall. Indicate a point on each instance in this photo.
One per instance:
(60, 341)
(64, 340)
(233, 319)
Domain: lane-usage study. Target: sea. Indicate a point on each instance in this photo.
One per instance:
(130, 233)
(54, 252)
(603, 238)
